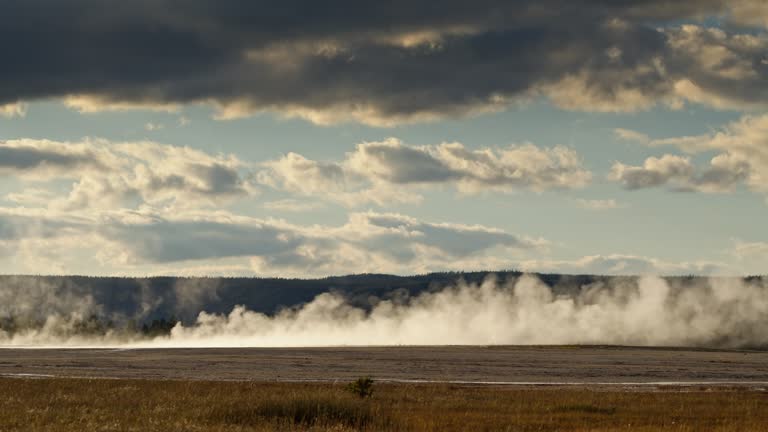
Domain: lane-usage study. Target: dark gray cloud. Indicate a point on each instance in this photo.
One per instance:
(28, 158)
(165, 240)
(391, 236)
(16, 225)
(45, 157)
(454, 239)
(366, 242)
(382, 63)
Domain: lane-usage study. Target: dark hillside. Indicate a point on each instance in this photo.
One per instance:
(145, 299)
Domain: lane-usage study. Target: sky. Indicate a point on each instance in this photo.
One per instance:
(307, 139)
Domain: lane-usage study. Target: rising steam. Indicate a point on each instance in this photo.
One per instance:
(720, 312)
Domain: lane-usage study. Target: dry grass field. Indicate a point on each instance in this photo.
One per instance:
(69, 405)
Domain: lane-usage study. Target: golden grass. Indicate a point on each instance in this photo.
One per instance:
(60, 405)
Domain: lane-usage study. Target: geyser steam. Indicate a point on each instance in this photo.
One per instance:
(718, 312)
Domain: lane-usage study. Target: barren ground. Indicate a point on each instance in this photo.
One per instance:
(564, 365)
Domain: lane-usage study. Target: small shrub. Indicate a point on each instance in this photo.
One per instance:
(362, 387)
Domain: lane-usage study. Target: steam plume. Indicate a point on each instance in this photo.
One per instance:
(720, 312)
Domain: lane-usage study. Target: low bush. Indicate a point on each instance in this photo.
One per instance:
(362, 387)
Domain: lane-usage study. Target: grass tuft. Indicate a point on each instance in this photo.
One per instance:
(587, 409)
(322, 411)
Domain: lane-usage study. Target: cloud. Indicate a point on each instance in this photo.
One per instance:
(31, 197)
(605, 91)
(153, 126)
(154, 241)
(618, 264)
(393, 243)
(155, 238)
(328, 180)
(391, 171)
(723, 70)
(292, 205)
(514, 167)
(630, 135)
(295, 173)
(10, 110)
(128, 174)
(745, 140)
(36, 239)
(751, 256)
(750, 249)
(140, 241)
(677, 172)
(398, 63)
(607, 204)
(743, 158)
(43, 159)
(88, 104)
(110, 174)
(749, 12)
(368, 242)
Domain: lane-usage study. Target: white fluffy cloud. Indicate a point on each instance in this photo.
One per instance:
(380, 171)
(677, 172)
(745, 140)
(296, 174)
(742, 157)
(114, 174)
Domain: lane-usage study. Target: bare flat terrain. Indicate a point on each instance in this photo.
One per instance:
(504, 364)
